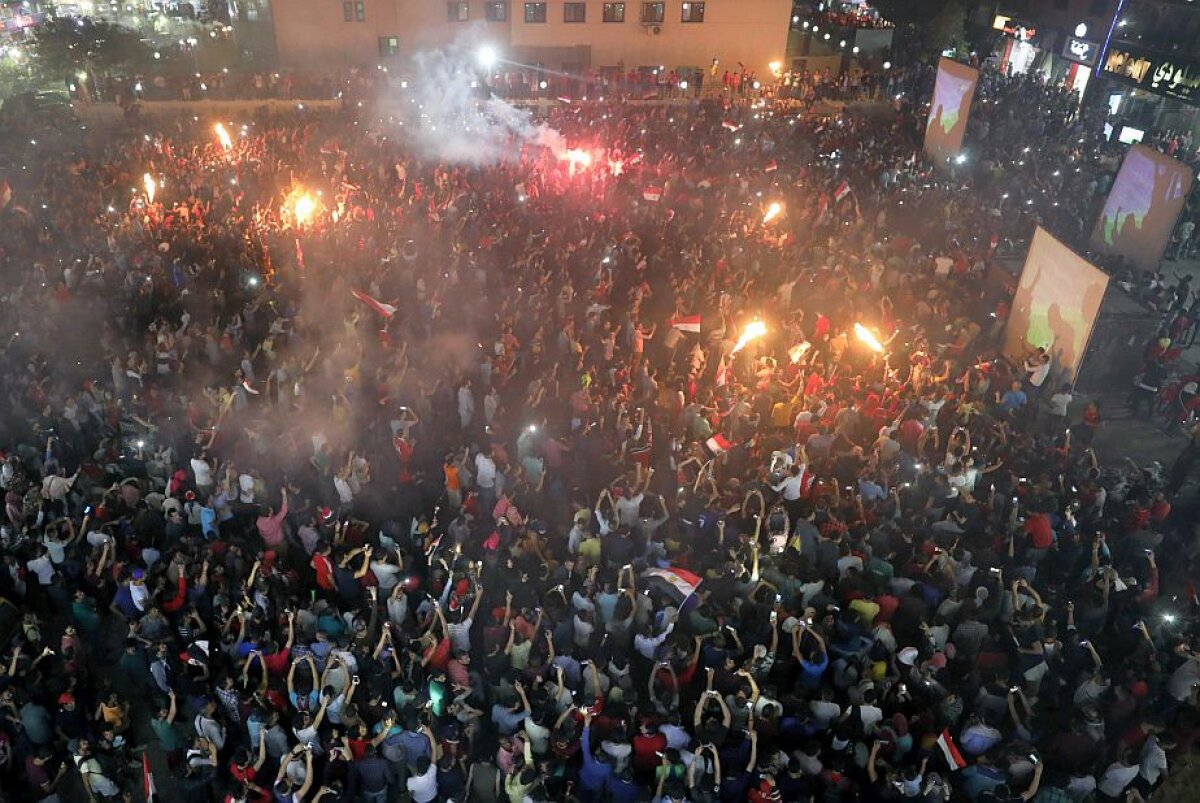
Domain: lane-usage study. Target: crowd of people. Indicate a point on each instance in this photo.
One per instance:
(468, 480)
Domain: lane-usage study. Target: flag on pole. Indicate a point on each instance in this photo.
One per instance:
(148, 788)
(386, 310)
(771, 167)
(677, 583)
(841, 192)
(949, 749)
(719, 444)
(652, 194)
(687, 323)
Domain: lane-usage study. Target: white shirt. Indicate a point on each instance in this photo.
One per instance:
(1154, 760)
(485, 471)
(43, 568)
(627, 509)
(791, 487)
(203, 472)
(1059, 403)
(460, 635)
(345, 494)
(1038, 374)
(423, 788)
(1117, 778)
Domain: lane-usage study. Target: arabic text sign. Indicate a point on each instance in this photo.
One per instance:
(1162, 75)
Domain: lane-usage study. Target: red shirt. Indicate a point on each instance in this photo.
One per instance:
(277, 662)
(324, 568)
(646, 749)
(241, 774)
(1041, 535)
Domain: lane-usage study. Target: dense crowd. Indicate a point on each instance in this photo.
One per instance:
(458, 487)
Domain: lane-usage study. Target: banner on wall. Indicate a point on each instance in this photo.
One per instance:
(949, 109)
(1055, 307)
(1143, 207)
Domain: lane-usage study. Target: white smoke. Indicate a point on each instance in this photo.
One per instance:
(450, 116)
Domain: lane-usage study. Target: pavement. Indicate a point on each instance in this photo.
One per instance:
(1144, 440)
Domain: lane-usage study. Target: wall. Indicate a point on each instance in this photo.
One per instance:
(311, 34)
(753, 32)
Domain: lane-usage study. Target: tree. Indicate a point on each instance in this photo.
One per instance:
(930, 26)
(947, 30)
(69, 46)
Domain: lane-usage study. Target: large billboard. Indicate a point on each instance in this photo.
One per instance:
(1055, 307)
(952, 95)
(1142, 207)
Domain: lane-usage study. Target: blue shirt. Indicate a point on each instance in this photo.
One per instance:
(594, 775)
(1012, 400)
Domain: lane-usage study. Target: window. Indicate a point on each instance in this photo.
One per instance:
(654, 12)
(388, 46)
(535, 12)
(495, 11)
(354, 11)
(458, 11)
(693, 12)
(614, 12)
(574, 12)
(360, 11)
(348, 11)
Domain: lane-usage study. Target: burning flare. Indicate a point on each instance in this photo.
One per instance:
(753, 331)
(577, 160)
(864, 334)
(302, 206)
(773, 211)
(304, 209)
(151, 187)
(223, 136)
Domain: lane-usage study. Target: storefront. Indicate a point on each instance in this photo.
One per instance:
(1024, 48)
(1152, 90)
(1078, 56)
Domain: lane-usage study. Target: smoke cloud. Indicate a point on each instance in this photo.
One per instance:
(449, 114)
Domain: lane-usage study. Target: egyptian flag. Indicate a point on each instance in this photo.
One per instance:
(149, 790)
(771, 167)
(678, 584)
(652, 194)
(636, 159)
(5, 195)
(687, 323)
(954, 759)
(718, 444)
(564, 99)
(841, 192)
(730, 125)
(386, 310)
(299, 254)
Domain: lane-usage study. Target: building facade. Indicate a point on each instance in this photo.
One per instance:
(584, 35)
(1141, 56)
